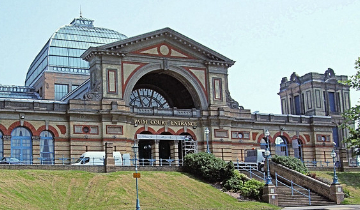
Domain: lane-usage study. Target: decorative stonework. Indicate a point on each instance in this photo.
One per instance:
(231, 102)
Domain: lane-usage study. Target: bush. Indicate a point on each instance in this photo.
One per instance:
(252, 189)
(292, 163)
(208, 167)
(234, 184)
(346, 193)
(212, 169)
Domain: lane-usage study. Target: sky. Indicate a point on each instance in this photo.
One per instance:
(268, 40)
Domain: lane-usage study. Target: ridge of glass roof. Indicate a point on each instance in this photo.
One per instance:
(81, 21)
(62, 51)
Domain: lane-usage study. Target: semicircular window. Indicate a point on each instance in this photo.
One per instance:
(145, 97)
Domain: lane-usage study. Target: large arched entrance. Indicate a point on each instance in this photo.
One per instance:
(157, 89)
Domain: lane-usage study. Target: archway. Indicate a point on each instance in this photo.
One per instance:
(21, 145)
(281, 148)
(146, 148)
(47, 147)
(177, 85)
(297, 147)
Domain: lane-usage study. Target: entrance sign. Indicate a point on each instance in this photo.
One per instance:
(161, 137)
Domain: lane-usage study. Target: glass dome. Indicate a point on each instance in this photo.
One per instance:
(62, 51)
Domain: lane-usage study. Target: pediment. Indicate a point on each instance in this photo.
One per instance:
(163, 43)
(164, 49)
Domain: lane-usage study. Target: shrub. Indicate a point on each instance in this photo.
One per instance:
(212, 169)
(233, 184)
(208, 167)
(292, 163)
(252, 189)
(346, 193)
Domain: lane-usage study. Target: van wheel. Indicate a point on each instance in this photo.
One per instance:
(261, 167)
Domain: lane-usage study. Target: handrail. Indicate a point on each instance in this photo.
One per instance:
(94, 161)
(292, 187)
(250, 172)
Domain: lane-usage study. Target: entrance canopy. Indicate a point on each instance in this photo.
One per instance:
(162, 137)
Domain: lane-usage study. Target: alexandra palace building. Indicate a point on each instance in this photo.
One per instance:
(89, 86)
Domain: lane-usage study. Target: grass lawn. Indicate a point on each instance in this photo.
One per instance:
(35, 189)
(349, 180)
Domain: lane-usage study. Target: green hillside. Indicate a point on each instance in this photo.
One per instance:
(32, 189)
(349, 181)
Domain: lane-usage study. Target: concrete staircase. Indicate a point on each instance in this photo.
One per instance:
(286, 199)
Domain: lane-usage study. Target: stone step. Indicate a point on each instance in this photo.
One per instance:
(286, 199)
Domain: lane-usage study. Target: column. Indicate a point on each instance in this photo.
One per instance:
(336, 193)
(7, 145)
(36, 158)
(109, 157)
(156, 152)
(176, 152)
(269, 194)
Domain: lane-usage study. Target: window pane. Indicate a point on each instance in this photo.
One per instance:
(60, 91)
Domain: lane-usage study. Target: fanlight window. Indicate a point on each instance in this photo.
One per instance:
(281, 146)
(297, 146)
(147, 98)
(21, 145)
(46, 147)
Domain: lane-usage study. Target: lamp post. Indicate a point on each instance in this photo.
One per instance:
(207, 139)
(136, 175)
(333, 155)
(267, 155)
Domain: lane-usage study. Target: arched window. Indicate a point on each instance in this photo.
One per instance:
(1, 145)
(21, 145)
(281, 146)
(147, 98)
(297, 146)
(264, 144)
(46, 147)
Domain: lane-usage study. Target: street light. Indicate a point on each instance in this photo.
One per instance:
(207, 139)
(333, 155)
(267, 155)
(136, 175)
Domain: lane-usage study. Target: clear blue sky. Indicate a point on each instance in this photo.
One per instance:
(267, 39)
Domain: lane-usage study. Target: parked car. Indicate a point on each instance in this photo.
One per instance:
(10, 160)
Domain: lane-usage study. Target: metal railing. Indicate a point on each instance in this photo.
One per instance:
(315, 163)
(250, 168)
(93, 161)
(292, 187)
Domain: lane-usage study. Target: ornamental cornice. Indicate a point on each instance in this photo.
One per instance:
(214, 57)
(103, 52)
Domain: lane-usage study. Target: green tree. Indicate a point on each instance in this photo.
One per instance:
(352, 116)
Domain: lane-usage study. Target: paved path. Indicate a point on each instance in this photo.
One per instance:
(334, 207)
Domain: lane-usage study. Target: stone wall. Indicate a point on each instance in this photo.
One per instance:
(328, 191)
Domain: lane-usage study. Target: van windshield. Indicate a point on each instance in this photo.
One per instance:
(80, 160)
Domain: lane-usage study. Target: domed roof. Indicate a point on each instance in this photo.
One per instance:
(62, 51)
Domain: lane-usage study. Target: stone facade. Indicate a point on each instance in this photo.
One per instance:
(191, 78)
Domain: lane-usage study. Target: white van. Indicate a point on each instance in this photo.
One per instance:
(97, 158)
